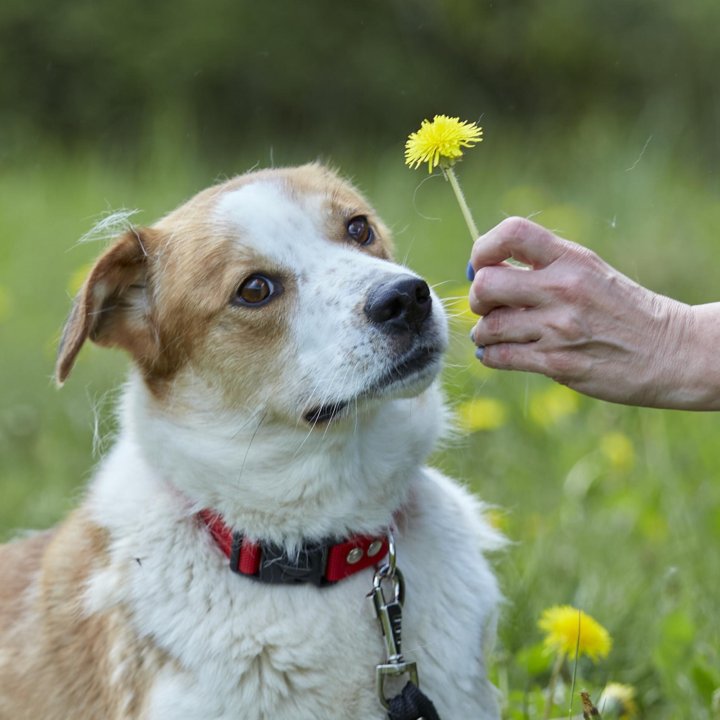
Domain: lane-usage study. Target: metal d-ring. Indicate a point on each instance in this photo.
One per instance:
(392, 554)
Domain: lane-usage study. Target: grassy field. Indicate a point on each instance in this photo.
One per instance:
(612, 509)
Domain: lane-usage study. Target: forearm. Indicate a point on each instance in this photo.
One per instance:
(692, 380)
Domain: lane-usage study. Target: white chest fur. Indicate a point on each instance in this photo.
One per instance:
(240, 649)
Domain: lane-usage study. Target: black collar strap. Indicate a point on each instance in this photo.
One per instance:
(320, 563)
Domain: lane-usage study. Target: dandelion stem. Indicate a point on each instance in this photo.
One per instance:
(575, 663)
(452, 178)
(550, 699)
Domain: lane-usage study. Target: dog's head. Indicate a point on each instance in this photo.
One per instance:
(274, 292)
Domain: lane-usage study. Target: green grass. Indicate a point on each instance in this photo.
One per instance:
(613, 509)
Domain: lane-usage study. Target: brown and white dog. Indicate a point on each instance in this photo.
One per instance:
(283, 387)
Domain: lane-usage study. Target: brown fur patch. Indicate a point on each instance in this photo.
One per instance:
(56, 660)
(163, 293)
(19, 565)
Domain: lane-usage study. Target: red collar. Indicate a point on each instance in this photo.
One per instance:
(321, 563)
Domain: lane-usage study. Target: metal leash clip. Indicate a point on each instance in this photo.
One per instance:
(389, 614)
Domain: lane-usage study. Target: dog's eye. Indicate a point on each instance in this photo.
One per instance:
(358, 228)
(256, 290)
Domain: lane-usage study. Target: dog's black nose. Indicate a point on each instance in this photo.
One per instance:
(399, 305)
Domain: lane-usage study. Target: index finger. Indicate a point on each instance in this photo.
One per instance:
(520, 239)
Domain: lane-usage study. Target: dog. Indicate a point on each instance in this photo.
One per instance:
(282, 400)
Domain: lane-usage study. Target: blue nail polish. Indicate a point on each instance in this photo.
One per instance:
(470, 272)
(479, 353)
(472, 334)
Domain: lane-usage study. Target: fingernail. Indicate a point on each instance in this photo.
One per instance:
(470, 272)
(472, 334)
(479, 353)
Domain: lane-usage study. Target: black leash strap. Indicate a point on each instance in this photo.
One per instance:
(411, 704)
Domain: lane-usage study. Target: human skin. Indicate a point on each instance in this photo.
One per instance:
(571, 316)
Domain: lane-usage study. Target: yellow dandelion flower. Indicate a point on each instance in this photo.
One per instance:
(618, 449)
(561, 624)
(481, 414)
(618, 700)
(550, 406)
(440, 141)
(496, 519)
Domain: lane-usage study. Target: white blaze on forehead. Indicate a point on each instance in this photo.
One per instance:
(289, 229)
(334, 350)
(270, 219)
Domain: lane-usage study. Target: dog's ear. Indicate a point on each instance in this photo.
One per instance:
(113, 307)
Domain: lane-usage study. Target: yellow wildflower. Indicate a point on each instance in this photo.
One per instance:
(496, 519)
(561, 624)
(440, 141)
(618, 700)
(481, 414)
(551, 405)
(618, 449)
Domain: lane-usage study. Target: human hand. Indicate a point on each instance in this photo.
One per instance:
(571, 316)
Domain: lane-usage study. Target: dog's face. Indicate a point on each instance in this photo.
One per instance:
(273, 293)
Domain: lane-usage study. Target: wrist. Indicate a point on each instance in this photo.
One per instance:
(688, 375)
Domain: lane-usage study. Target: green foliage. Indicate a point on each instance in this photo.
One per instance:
(615, 510)
(223, 69)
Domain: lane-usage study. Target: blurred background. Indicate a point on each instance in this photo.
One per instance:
(601, 120)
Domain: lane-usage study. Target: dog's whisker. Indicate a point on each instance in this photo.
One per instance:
(357, 415)
(456, 315)
(247, 451)
(348, 370)
(321, 402)
(452, 299)
(245, 424)
(327, 396)
(441, 283)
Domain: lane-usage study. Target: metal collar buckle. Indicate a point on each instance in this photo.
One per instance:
(276, 567)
